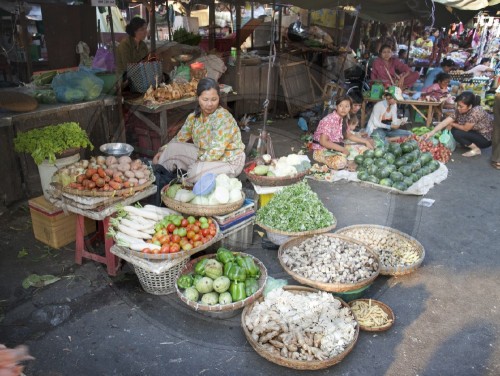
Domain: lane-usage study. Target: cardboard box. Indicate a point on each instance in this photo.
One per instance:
(52, 226)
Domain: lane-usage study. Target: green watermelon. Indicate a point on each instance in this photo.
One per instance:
(380, 162)
(396, 176)
(419, 173)
(389, 157)
(397, 151)
(433, 165)
(386, 182)
(400, 186)
(405, 170)
(425, 170)
(367, 162)
(414, 143)
(414, 177)
(360, 168)
(426, 158)
(369, 154)
(406, 147)
(358, 159)
(384, 172)
(391, 167)
(410, 157)
(363, 175)
(415, 166)
(408, 180)
(372, 179)
(372, 170)
(379, 152)
(400, 162)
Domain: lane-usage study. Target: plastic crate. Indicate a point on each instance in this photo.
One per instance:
(52, 226)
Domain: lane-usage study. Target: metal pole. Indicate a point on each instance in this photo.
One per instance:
(152, 28)
(409, 39)
(358, 8)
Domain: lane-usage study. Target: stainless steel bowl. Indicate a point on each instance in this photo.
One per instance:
(117, 149)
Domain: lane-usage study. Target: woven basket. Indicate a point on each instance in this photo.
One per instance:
(280, 237)
(384, 269)
(292, 363)
(384, 308)
(160, 284)
(270, 181)
(200, 210)
(330, 287)
(226, 307)
(121, 192)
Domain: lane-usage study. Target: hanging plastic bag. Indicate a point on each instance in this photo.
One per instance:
(104, 60)
(448, 140)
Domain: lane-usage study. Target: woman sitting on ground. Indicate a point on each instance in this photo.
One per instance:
(216, 139)
(471, 125)
(384, 122)
(328, 140)
(392, 71)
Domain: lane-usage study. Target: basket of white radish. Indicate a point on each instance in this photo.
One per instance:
(155, 233)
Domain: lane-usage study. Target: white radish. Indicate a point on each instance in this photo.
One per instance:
(145, 223)
(124, 238)
(132, 232)
(141, 246)
(159, 210)
(137, 226)
(133, 243)
(148, 214)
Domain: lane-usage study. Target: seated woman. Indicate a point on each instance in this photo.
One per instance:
(471, 125)
(392, 71)
(384, 122)
(216, 139)
(328, 140)
(132, 49)
(439, 89)
(446, 66)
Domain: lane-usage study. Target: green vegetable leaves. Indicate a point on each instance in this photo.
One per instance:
(296, 208)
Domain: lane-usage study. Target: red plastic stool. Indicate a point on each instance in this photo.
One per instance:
(112, 262)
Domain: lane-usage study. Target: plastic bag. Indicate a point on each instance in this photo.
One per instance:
(273, 284)
(77, 86)
(448, 140)
(104, 59)
(182, 72)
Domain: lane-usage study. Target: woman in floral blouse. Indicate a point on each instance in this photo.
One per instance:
(216, 139)
(328, 140)
(470, 125)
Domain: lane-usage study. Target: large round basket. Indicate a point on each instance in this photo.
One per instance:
(223, 307)
(160, 284)
(273, 181)
(113, 193)
(415, 245)
(292, 363)
(383, 307)
(200, 210)
(280, 237)
(331, 287)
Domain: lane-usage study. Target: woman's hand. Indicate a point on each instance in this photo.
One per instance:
(428, 135)
(370, 144)
(345, 151)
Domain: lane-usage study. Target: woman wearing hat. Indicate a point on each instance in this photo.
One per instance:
(384, 122)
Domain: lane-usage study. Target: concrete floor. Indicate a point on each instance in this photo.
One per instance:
(447, 312)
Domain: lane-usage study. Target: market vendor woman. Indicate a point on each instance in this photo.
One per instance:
(216, 139)
(328, 140)
(132, 49)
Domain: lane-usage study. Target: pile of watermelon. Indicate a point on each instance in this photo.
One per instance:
(395, 165)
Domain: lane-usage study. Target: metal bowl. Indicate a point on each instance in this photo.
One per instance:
(117, 149)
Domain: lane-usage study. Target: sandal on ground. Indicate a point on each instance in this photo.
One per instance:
(496, 165)
(472, 153)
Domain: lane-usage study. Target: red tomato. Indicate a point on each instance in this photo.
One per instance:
(213, 232)
(205, 231)
(146, 250)
(196, 229)
(184, 222)
(156, 251)
(171, 227)
(190, 234)
(209, 237)
(165, 248)
(197, 244)
(197, 237)
(164, 239)
(197, 223)
(209, 220)
(187, 247)
(175, 239)
(175, 248)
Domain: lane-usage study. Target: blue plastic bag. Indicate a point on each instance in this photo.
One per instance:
(448, 140)
(71, 87)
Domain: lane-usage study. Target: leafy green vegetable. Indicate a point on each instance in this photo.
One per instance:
(36, 280)
(282, 212)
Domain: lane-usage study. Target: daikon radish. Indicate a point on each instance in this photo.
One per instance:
(159, 210)
(148, 214)
(134, 233)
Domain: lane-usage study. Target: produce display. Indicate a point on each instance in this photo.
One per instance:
(290, 165)
(103, 174)
(169, 92)
(227, 278)
(159, 230)
(301, 326)
(397, 165)
(281, 213)
(330, 259)
(439, 152)
(394, 251)
(225, 191)
(370, 315)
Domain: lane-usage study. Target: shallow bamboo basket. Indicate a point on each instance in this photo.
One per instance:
(330, 287)
(384, 308)
(385, 269)
(274, 181)
(293, 363)
(280, 237)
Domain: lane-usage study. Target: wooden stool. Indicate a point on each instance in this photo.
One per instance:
(111, 261)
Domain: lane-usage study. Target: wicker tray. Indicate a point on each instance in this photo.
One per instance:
(200, 210)
(292, 363)
(269, 181)
(176, 255)
(330, 287)
(384, 308)
(121, 192)
(280, 237)
(388, 270)
(226, 307)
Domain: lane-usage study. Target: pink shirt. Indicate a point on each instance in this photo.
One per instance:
(331, 126)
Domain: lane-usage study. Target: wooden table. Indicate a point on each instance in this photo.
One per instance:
(432, 107)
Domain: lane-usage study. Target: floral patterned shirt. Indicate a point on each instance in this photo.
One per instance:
(218, 136)
(481, 120)
(331, 126)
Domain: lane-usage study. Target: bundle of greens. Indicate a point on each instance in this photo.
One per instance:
(294, 209)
